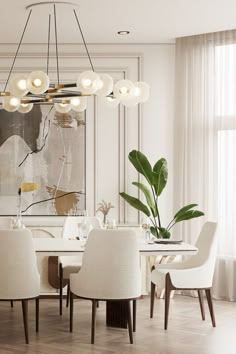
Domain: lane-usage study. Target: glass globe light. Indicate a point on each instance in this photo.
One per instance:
(141, 91)
(105, 85)
(123, 89)
(37, 82)
(17, 85)
(88, 82)
(62, 107)
(78, 104)
(10, 103)
(25, 107)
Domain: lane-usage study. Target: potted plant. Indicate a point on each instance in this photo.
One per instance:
(156, 178)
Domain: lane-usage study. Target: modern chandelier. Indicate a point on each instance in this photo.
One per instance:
(23, 91)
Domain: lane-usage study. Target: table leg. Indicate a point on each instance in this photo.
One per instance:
(53, 278)
(116, 314)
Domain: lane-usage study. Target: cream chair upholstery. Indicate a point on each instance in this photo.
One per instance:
(19, 277)
(110, 271)
(69, 265)
(6, 222)
(195, 273)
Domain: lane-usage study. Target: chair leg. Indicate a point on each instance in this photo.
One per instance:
(68, 294)
(200, 297)
(25, 319)
(152, 299)
(167, 299)
(134, 314)
(94, 308)
(210, 305)
(12, 305)
(129, 322)
(71, 310)
(61, 288)
(37, 313)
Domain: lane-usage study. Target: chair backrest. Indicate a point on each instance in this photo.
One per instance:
(207, 249)
(5, 222)
(71, 225)
(111, 266)
(19, 277)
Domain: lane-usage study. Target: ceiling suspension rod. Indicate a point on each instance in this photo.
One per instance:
(55, 24)
(49, 31)
(81, 32)
(18, 48)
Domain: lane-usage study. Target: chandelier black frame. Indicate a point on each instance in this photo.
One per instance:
(23, 91)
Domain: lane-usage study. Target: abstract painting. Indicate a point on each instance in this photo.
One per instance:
(48, 148)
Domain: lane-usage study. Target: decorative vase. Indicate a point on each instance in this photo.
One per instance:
(105, 220)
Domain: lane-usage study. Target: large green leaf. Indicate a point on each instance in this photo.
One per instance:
(190, 214)
(141, 163)
(163, 232)
(160, 175)
(148, 195)
(136, 203)
(184, 209)
(154, 231)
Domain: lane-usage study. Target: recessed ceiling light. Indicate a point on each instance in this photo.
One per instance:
(123, 33)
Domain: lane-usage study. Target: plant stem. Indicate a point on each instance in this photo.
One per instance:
(158, 215)
(169, 225)
(172, 226)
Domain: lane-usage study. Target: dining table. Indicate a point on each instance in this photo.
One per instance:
(115, 312)
(66, 247)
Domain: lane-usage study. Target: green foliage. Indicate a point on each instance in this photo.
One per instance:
(156, 178)
(160, 175)
(136, 203)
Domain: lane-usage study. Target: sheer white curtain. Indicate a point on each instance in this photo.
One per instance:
(205, 143)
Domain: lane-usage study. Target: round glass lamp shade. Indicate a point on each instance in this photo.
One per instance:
(25, 107)
(78, 104)
(62, 107)
(37, 82)
(10, 103)
(106, 85)
(88, 82)
(141, 91)
(123, 89)
(17, 85)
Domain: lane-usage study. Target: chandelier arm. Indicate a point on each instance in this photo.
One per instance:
(49, 30)
(85, 45)
(55, 24)
(18, 48)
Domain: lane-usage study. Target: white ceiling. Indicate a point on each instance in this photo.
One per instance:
(149, 21)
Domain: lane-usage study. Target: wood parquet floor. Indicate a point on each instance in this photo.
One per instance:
(187, 333)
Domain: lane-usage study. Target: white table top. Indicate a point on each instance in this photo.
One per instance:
(63, 247)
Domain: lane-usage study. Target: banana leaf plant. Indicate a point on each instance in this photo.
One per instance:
(156, 179)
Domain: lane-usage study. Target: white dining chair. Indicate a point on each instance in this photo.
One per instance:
(19, 277)
(196, 273)
(6, 222)
(72, 264)
(110, 271)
